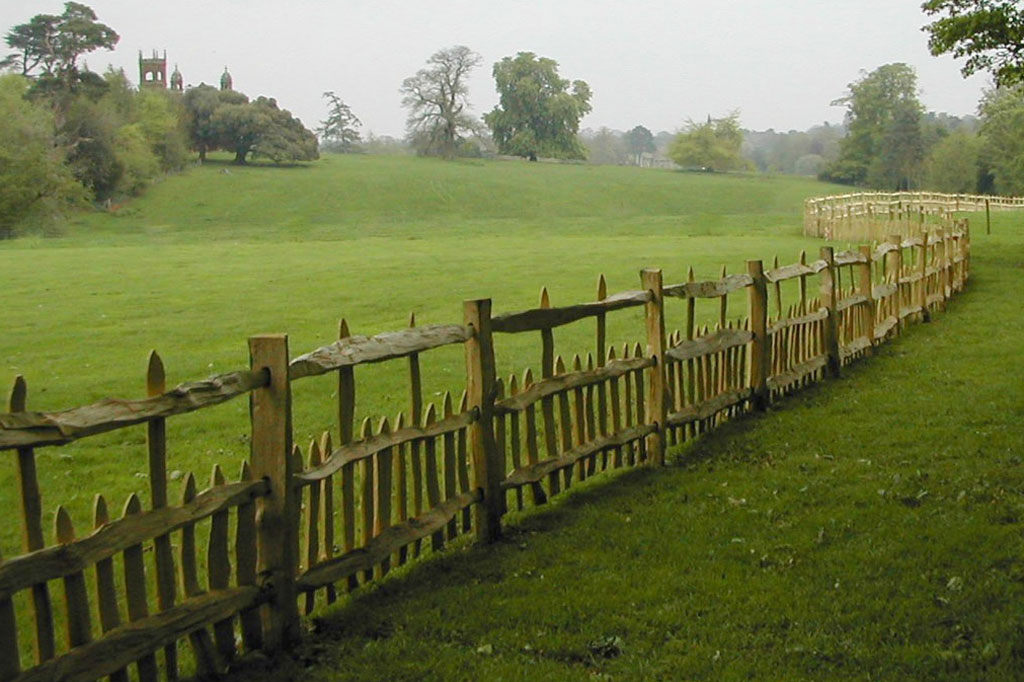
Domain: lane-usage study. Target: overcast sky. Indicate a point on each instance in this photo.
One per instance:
(655, 63)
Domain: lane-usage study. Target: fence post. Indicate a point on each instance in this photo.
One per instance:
(277, 517)
(481, 388)
(988, 219)
(828, 300)
(864, 288)
(657, 411)
(944, 261)
(895, 265)
(760, 348)
(922, 265)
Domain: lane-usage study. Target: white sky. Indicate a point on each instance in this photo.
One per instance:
(649, 62)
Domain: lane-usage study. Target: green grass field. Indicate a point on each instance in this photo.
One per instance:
(210, 257)
(867, 529)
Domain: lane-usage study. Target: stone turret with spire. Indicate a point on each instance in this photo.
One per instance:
(177, 82)
(225, 80)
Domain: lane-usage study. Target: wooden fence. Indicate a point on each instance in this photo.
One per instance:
(296, 528)
(873, 216)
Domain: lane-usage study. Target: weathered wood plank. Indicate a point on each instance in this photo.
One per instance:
(707, 408)
(57, 561)
(709, 289)
(720, 340)
(787, 322)
(907, 311)
(798, 372)
(851, 301)
(885, 326)
(911, 279)
(533, 473)
(850, 258)
(855, 346)
(571, 380)
(130, 642)
(538, 319)
(354, 452)
(383, 545)
(776, 275)
(360, 350)
(33, 429)
(884, 290)
(884, 248)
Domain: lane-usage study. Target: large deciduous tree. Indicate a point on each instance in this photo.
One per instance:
(539, 112)
(1002, 144)
(225, 119)
(639, 141)
(52, 44)
(884, 147)
(989, 33)
(438, 104)
(35, 183)
(712, 146)
(340, 130)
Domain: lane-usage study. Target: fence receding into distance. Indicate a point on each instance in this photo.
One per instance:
(296, 528)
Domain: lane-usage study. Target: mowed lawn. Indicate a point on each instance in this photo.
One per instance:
(869, 528)
(210, 257)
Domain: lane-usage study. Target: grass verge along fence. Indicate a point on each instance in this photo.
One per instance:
(296, 528)
(876, 215)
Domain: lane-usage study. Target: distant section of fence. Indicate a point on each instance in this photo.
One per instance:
(872, 216)
(299, 527)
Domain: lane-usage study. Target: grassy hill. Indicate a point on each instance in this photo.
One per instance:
(207, 258)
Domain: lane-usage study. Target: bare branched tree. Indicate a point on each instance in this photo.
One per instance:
(437, 101)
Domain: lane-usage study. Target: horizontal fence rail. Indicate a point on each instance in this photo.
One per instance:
(300, 526)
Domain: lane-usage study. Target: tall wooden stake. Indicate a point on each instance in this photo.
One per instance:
(488, 469)
(277, 514)
(760, 349)
(657, 400)
(828, 300)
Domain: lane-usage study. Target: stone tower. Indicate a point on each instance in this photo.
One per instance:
(177, 82)
(153, 70)
(225, 80)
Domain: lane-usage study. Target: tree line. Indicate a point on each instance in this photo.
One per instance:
(69, 136)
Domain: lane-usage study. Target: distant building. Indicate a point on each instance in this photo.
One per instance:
(153, 74)
(153, 70)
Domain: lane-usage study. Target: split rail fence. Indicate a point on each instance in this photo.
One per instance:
(876, 215)
(299, 528)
